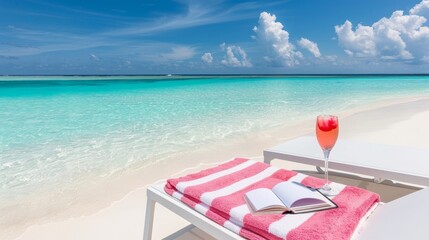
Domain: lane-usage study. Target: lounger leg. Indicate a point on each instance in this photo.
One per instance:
(150, 209)
(267, 159)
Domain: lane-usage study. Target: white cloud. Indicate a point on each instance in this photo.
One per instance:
(310, 46)
(399, 37)
(271, 34)
(421, 9)
(359, 42)
(207, 58)
(179, 53)
(235, 56)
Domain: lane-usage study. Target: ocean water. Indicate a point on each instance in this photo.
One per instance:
(56, 133)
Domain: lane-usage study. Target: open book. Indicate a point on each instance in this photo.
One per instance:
(287, 197)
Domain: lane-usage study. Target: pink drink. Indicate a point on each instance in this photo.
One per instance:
(327, 131)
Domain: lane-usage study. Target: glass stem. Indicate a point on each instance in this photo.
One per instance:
(326, 155)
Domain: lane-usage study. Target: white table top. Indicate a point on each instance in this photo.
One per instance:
(384, 161)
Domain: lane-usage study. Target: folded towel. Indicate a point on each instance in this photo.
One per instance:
(218, 193)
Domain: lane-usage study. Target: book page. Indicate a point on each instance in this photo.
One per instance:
(295, 195)
(263, 198)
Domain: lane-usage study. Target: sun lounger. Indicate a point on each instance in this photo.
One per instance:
(403, 218)
(405, 164)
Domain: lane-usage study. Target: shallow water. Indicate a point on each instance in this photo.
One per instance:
(57, 134)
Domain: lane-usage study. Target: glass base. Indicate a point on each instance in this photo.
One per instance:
(328, 190)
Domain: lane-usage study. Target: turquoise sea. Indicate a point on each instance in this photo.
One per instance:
(57, 133)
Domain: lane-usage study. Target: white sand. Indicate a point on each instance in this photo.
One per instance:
(403, 124)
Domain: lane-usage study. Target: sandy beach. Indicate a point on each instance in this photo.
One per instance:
(120, 215)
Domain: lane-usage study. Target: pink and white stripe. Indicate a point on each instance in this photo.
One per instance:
(218, 193)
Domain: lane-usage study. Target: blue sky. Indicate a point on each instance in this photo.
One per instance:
(209, 37)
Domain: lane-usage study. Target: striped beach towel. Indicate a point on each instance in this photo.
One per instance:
(218, 193)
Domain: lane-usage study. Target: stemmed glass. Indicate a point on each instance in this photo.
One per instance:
(327, 133)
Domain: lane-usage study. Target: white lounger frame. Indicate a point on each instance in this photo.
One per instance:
(405, 164)
(157, 194)
(293, 151)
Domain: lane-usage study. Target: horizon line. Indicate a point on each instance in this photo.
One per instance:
(219, 74)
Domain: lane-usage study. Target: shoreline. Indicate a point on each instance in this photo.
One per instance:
(122, 187)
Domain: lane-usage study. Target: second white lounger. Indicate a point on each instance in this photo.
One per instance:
(403, 164)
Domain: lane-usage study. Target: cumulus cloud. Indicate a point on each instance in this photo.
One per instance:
(207, 58)
(310, 46)
(359, 42)
(421, 9)
(271, 34)
(399, 37)
(235, 56)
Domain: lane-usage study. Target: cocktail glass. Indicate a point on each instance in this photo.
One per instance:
(327, 133)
